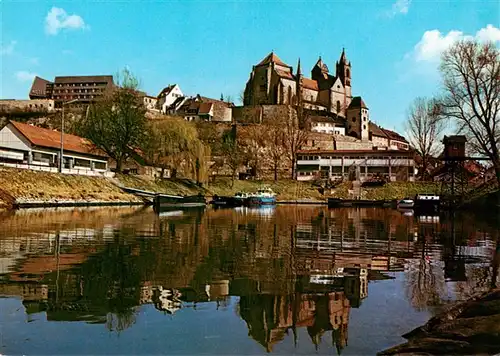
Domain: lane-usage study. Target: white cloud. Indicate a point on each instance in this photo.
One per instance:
(57, 19)
(399, 7)
(434, 43)
(489, 34)
(25, 76)
(8, 49)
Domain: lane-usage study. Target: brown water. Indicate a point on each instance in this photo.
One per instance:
(285, 280)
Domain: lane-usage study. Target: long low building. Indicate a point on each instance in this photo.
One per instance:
(394, 165)
(30, 145)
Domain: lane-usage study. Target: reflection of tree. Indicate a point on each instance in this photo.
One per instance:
(425, 284)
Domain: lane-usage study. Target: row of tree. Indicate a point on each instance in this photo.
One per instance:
(469, 105)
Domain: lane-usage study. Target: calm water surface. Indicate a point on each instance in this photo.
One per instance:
(285, 280)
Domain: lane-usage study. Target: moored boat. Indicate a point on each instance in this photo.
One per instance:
(427, 204)
(229, 201)
(264, 196)
(406, 203)
(165, 200)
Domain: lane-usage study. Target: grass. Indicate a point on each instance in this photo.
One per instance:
(23, 184)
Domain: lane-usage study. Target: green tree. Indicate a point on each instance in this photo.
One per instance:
(116, 124)
(174, 143)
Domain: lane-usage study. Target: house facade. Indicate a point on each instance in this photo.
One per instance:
(35, 146)
(168, 96)
(394, 165)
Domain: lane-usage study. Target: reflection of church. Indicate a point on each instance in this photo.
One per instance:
(270, 318)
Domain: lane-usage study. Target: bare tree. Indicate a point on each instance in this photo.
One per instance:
(275, 144)
(424, 126)
(471, 76)
(294, 124)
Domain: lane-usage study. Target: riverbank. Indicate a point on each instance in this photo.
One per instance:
(20, 187)
(467, 328)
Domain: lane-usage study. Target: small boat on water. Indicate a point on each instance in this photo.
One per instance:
(406, 203)
(264, 196)
(427, 204)
(165, 200)
(238, 199)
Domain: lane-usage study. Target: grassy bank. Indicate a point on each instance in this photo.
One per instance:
(286, 189)
(21, 185)
(18, 185)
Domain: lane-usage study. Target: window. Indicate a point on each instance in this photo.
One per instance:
(353, 119)
(364, 118)
(263, 87)
(364, 127)
(100, 165)
(347, 73)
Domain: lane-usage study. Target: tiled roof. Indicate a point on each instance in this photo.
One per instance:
(272, 58)
(394, 135)
(357, 102)
(310, 84)
(322, 118)
(52, 139)
(204, 108)
(166, 90)
(285, 74)
(85, 79)
(376, 130)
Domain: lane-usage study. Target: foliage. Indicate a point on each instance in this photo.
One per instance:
(173, 143)
(296, 134)
(424, 126)
(471, 79)
(116, 124)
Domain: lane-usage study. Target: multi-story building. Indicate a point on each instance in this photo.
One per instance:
(394, 165)
(85, 89)
(168, 96)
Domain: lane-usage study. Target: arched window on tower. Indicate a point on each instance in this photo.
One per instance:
(348, 73)
(338, 106)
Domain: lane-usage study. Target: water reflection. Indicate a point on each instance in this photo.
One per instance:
(290, 268)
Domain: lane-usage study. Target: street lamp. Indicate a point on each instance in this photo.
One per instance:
(61, 159)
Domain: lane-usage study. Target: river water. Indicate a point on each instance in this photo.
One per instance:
(284, 280)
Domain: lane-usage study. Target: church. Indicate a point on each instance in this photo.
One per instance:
(273, 82)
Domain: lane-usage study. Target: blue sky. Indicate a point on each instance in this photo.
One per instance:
(209, 47)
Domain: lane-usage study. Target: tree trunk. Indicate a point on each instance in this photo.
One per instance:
(119, 164)
(275, 171)
(232, 178)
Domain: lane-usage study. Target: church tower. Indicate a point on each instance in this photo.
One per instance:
(298, 85)
(343, 71)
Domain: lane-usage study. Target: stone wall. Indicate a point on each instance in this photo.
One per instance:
(36, 105)
(261, 114)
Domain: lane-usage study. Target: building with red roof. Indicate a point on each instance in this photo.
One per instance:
(22, 143)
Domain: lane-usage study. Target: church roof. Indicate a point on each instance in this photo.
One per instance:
(285, 74)
(310, 84)
(272, 58)
(321, 65)
(357, 102)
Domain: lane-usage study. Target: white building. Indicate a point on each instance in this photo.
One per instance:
(167, 97)
(327, 124)
(394, 165)
(24, 144)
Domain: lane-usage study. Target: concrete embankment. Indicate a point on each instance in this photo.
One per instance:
(467, 328)
(24, 188)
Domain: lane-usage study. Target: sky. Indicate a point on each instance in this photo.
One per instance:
(209, 47)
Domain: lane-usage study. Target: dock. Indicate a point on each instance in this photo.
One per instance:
(341, 203)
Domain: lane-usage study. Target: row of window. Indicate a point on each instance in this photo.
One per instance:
(69, 97)
(79, 85)
(314, 158)
(60, 91)
(40, 105)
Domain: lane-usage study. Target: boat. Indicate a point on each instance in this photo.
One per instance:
(165, 200)
(406, 203)
(236, 200)
(427, 204)
(264, 196)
